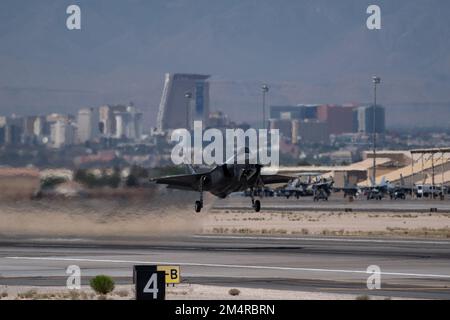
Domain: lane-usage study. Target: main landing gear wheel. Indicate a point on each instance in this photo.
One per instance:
(198, 206)
(199, 203)
(257, 205)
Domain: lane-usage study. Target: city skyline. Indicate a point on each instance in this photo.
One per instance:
(241, 44)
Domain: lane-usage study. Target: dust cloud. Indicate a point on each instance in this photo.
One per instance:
(162, 214)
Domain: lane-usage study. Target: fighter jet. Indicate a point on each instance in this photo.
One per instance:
(296, 188)
(379, 191)
(223, 180)
(319, 188)
(322, 189)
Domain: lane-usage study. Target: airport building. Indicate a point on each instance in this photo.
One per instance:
(358, 172)
(423, 168)
(408, 168)
(185, 98)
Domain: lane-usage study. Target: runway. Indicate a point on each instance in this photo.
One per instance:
(335, 203)
(409, 268)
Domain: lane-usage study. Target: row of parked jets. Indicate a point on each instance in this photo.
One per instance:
(312, 185)
(231, 177)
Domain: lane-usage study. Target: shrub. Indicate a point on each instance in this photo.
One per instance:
(102, 284)
(28, 294)
(234, 292)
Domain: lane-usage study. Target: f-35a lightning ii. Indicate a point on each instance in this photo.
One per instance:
(223, 180)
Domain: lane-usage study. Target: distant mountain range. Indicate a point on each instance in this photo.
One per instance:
(308, 51)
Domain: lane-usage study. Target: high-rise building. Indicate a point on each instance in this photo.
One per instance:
(363, 119)
(338, 118)
(2, 135)
(126, 123)
(138, 125)
(106, 121)
(62, 134)
(87, 125)
(2, 130)
(53, 117)
(309, 131)
(284, 127)
(13, 129)
(177, 110)
(41, 127)
(299, 112)
(28, 128)
(120, 122)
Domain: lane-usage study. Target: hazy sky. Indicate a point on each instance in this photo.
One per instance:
(308, 51)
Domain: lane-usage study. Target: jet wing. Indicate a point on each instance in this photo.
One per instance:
(275, 178)
(183, 182)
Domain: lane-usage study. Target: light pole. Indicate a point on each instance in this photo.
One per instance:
(376, 80)
(265, 89)
(188, 96)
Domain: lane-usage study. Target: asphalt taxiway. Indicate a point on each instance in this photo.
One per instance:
(336, 203)
(414, 268)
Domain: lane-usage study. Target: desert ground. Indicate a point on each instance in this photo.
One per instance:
(171, 213)
(180, 292)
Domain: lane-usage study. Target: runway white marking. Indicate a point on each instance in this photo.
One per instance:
(325, 239)
(231, 266)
